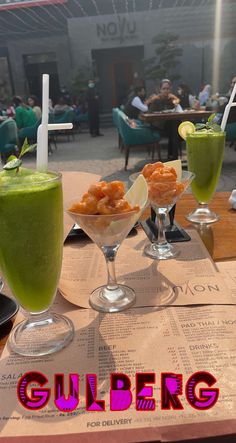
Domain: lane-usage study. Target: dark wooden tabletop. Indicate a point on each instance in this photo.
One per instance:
(151, 117)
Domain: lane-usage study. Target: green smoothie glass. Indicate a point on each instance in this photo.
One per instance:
(205, 151)
(31, 241)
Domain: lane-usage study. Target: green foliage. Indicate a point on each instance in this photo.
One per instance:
(81, 77)
(166, 60)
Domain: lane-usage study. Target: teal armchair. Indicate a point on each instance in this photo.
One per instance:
(8, 139)
(139, 136)
(67, 117)
(30, 132)
(231, 132)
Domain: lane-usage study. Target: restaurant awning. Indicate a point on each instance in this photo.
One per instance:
(40, 17)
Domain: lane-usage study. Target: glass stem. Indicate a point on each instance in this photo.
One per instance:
(110, 256)
(161, 240)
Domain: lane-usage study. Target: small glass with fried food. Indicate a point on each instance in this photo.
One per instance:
(164, 189)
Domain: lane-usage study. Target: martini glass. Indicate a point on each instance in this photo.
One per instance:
(163, 197)
(205, 151)
(108, 232)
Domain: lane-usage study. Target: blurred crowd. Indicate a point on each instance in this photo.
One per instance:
(86, 106)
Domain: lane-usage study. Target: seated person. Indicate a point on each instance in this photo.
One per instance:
(61, 107)
(165, 99)
(232, 112)
(137, 103)
(24, 115)
(204, 95)
(33, 103)
(185, 96)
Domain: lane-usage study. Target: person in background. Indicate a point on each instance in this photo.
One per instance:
(24, 115)
(137, 103)
(64, 93)
(33, 103)
(164, 100)
(61, 107)
(50, 106)
(92, 99)
(185, 96)
(232, 112)
(204, 95)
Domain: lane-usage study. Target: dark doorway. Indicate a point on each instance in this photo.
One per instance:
(35, 66)
(118, 70)
(6, 89)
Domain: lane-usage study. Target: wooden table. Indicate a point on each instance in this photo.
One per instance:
(154, 117)
(220, 241)
(219, 238)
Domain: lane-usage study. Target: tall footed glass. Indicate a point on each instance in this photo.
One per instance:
(162, 197)
(205, 151)
(108, 232)
(31, 241)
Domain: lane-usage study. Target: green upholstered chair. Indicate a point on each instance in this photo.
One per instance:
(231, 134)
(8, 139)
(115, 118)
(67, 117)
(30, 132)
(139, 136)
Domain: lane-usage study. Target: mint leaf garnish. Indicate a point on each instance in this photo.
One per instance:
(13, 164)
(27, 148)
(211, 118)
(210, 125)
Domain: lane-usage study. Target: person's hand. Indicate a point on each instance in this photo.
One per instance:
(151, 99)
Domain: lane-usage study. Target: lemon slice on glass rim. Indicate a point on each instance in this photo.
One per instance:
(186, 128)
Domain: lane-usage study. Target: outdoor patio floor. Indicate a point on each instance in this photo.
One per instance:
(101, 155)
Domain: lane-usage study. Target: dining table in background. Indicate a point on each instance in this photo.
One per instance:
(192, 115)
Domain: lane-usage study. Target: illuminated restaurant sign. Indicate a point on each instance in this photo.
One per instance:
(12, 4)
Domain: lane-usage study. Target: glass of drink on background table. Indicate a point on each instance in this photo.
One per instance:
(31, 241)
(205, 151)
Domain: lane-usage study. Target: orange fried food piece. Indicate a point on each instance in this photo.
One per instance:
(88, 205)
(104, 199)
(97, 190)
(150, 168)
(114, 190)
(166, 174)
(107, 206)
(162, 183)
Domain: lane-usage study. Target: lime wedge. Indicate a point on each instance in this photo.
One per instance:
(177, 165)
(138, 193)
(186, 128)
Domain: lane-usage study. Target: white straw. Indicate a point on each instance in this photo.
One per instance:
(42, 134)
(227, 108)
(59, 126)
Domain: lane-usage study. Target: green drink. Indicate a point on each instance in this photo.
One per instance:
(31, 240)
(31, 236)
(205, 150)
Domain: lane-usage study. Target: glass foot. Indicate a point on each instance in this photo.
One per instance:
(160, 252)
(41, 334)
(103, 299)
(203, 215)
